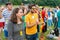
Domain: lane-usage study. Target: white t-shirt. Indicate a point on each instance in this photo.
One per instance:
(50, 17)
(2, 20)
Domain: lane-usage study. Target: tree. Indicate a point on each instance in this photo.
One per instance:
(16, 2)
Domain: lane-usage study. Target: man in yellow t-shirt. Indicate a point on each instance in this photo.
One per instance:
(31, 20)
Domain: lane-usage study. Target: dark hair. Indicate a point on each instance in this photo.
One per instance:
(42, 8)
(31, 5)
(22, 3)
(13, 16)
(59, 5)
(8, 3)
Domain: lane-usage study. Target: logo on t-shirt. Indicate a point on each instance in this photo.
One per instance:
(33, 17)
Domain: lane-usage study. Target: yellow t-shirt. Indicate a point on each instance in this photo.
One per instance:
(31, 18)
(41, 26)
(41, 21)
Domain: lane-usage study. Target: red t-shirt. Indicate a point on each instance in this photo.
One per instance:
(43, 14)
(2, 24)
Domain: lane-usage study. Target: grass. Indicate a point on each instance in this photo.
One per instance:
(2, 36)
(45, 34)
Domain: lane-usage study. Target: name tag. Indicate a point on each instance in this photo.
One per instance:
(21, 33)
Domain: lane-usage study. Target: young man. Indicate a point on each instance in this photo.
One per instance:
(55, 16)
(6, 14)
(31, 24)
(43, 12)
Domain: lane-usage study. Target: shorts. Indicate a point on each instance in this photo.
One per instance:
(5, 33)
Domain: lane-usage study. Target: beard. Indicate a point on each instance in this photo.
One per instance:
(32, 11)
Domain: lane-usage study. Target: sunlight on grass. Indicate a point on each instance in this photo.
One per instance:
(2, 35)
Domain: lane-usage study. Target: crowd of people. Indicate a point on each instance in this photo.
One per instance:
(27, 22)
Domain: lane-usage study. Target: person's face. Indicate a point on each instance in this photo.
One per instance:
(57, 7)
(20, 13)
(2, 8)
(32, 11)
(50, 10)
(9, 7)
(22, 4)
(44, 9)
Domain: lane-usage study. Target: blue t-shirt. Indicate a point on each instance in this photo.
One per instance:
(48, 13)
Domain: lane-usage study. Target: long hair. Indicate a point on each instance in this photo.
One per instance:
(13, 16)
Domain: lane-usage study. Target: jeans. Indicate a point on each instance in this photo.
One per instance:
(55, 22)
(59, 31)
(49, 23)
(31, 37)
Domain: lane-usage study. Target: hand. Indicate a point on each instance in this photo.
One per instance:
(18, 15)
(57, 19)
(37, 22)
(43, 23)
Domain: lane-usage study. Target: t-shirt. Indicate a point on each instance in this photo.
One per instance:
(41, 26)
(43, 14)
(23, 18)
(6, 14)
(58, 16)
(31, 18)
(50, 16)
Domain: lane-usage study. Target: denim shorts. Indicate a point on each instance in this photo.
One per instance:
(49, 23)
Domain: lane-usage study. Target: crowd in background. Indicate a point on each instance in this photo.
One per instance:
(27, 22)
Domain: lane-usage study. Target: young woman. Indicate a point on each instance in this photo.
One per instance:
(16, 21)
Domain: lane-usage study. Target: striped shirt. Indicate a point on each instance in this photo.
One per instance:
(6, 14)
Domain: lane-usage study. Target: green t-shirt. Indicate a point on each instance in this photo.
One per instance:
(23, 18)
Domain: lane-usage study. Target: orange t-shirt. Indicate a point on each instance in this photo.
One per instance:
(31, 18)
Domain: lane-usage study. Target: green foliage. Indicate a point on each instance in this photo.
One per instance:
(16, 2)
(39, 2)
(46, 2)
